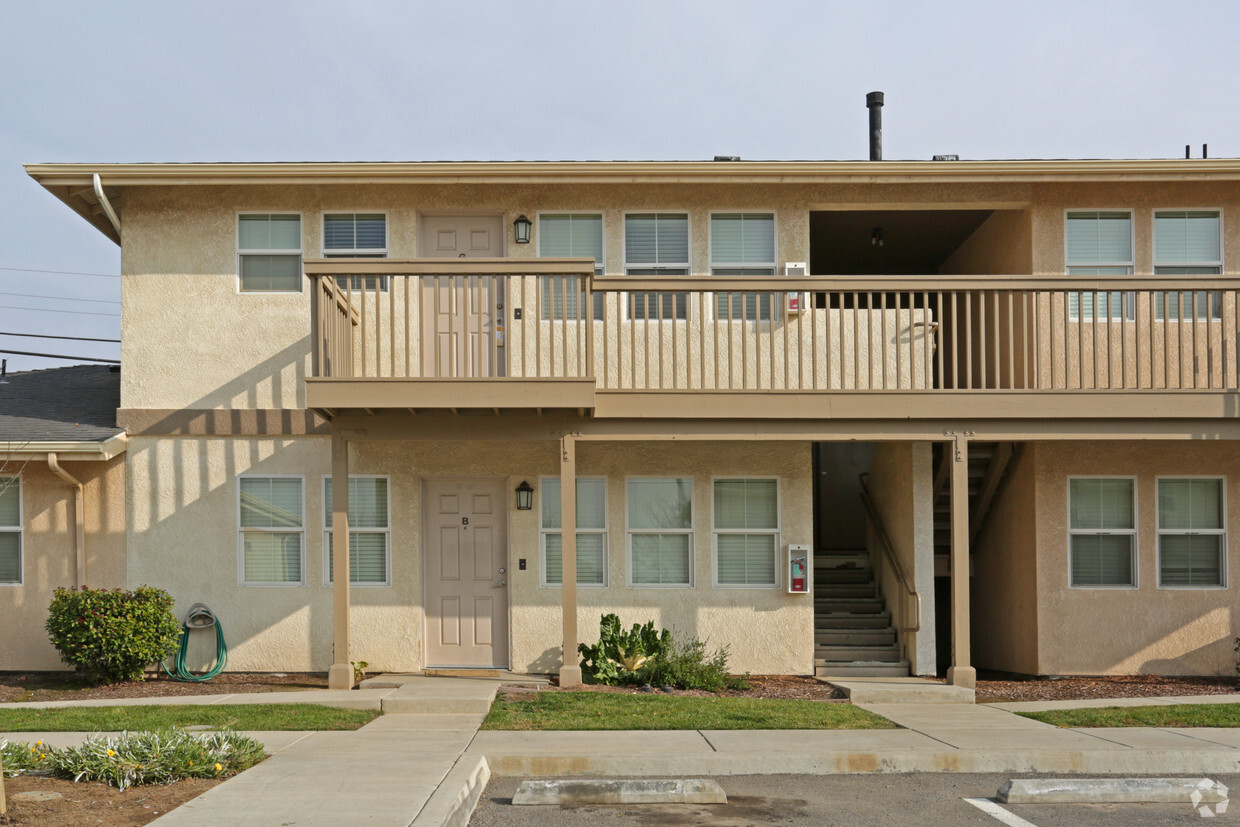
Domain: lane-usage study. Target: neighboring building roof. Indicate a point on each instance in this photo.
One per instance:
(72, 404)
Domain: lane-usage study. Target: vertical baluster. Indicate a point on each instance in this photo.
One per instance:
(731, 337)
(1193, 332)
(770, 338)
(786, 319)
(659, 331)
(927, 329)
(1011, 334)
(956, 354)
(658, 297)
(675, 350)
(704, 320)
(997, 362)
(968, 341)
(882, 320)
(983, 331)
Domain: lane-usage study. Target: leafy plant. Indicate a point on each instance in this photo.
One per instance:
(1236, 648)
(113, 635)
(17, 757)
(161, 757)
(687, 665)
(359, 670)
(620, 656)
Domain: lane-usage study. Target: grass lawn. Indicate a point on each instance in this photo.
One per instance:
(614, 710)
(240, 716)
(1180, 715)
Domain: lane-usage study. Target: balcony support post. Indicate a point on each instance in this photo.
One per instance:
(340, 676)
(570, 671)
(961, 672)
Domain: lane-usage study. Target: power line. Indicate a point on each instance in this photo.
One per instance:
(61, 356)
(45, 310)
(61, 272)
(60, 298)
(44, 336)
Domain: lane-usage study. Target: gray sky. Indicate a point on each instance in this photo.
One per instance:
(532, 80)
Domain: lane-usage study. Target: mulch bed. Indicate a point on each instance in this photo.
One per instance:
(995, 687)
(64, 686)
(794, 687)
(93, 803)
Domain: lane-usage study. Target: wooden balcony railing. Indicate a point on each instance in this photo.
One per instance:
(513, 319)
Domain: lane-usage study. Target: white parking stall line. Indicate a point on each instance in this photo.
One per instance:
(994, 810)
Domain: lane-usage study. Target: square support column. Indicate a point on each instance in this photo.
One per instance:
(570, 671)
(961, 672)
(340, 676)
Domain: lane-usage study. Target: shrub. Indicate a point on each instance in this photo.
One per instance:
(135, 758)
(687, 665)
(112, 635)
(19, 757)
(620, 656)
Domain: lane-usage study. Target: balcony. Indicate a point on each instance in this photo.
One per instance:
(547, 334)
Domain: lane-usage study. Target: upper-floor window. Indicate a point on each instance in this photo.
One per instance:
(591, 532)
(1099, 243)
(356, 235)
(657, 244)
(269, 252)
(742, 244)
(1102, 531)
(1192, 534)
(569, 235)
(1188, 243)
(370, 541)
(11, 530)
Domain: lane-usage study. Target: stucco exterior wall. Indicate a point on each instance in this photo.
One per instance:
(1147, 630)
(183, 536)
(1003, 244)
(48, 557)
(1005, 562)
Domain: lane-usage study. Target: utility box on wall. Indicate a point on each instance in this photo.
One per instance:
(800, 569)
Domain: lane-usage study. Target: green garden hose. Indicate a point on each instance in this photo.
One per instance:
(199, 617)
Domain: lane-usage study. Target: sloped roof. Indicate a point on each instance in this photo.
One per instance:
(71, 404)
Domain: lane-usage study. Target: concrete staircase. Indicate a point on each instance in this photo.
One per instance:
(988, 463)
(853, 634)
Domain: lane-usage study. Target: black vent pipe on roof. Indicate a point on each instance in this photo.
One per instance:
(874, 102)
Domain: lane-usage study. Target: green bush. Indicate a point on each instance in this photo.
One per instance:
(19, 757)
(112, 635)
(687, 665)
(161, 757)
(620, 656)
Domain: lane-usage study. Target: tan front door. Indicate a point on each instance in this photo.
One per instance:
(466, 542)
(459, 314)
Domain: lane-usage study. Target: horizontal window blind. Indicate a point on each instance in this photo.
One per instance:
(656, 238)
(1102, 523)
(10, 502)
(742, 238)
(744, 507)
(661, 559)
(1101, 503)
(269, 232)
(368, 502)
(270, 273)
(268, 505)
(660, 503)
(1190, 504)
(10, 557)
(746, 559)
(591, 558)
(368, 509)
(1190, 559)
(1190, 532)
(1099, 238)
(272, 557)
(10, 530)
(744, 504)
(271, 502)
(571, 236)
(1190, 237)
(591, 503)
(1102, 560)
(591, 545)
(355, 232)
(367, 557)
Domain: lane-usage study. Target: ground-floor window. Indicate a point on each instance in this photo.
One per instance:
(1192, 535)
(591, 532)
(660, 531)
(1103, 532)
(11, 530)
(746, 532)
(370, 538)
(272, 531)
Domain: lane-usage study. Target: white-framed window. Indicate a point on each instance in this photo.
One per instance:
(660, 531)
(742, 244)
(1102, 532)
(657, 244)
(10, 531)
(370, 532)
(746, 532)
(591, 532)
(356, 235)
(271, 515)
(569, 235)
(269, 252)
(1192, 532)
(1099, 243)
(1188, 243)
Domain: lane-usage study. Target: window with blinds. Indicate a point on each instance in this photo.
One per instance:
(742, 244)
(272, 531)
(1192, 534)
(746, 532)
(569, 235)
(591, 532)
(657, 244)
(269, 253)
(11, 531)
(1102, 531)
(1188, 243)
(1099, 243)
(369, 532)
(356, 235)
(660, 531)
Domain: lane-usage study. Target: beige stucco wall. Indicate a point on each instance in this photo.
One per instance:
(1146, 629)
(901, 485)
(183, 537)
(1003, 244)
(48, 558)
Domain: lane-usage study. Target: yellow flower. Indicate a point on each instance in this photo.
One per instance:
(38, 743)
(42, 756)
(219, 767)
(191, 763)
(110, 752)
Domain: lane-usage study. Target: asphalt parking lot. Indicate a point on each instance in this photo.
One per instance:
(912, 799)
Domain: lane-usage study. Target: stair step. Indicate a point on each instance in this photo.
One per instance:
(848, 605)
(856, 637)
(839, 561)
(848, 590)
(876, 654)
(861, 670)
(835, 623)
(835, 576)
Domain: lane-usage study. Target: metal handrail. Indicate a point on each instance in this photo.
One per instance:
(884, 542)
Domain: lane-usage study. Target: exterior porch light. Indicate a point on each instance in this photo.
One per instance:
(525, 492)
(521, 229)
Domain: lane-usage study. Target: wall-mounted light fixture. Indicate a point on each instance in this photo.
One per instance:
(525, 496)
(521, 229)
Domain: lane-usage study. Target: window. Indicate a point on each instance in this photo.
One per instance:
(1102, 531)
(272, 531)
(746, 532)
(356, 235)
(657, 244)
(269, 249)
(568, 235)
(11, 531)
(369, 531)
(660, 532)
(742, 244)
(1192, 537)
(1187, 243)
(1099, 244)
(591, 532)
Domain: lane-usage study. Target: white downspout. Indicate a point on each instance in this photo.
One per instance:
(79, 516)
(105, 203)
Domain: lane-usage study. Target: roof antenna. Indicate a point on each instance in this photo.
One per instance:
(4, 371)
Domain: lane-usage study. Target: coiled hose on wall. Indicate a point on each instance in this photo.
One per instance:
(199, 617)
